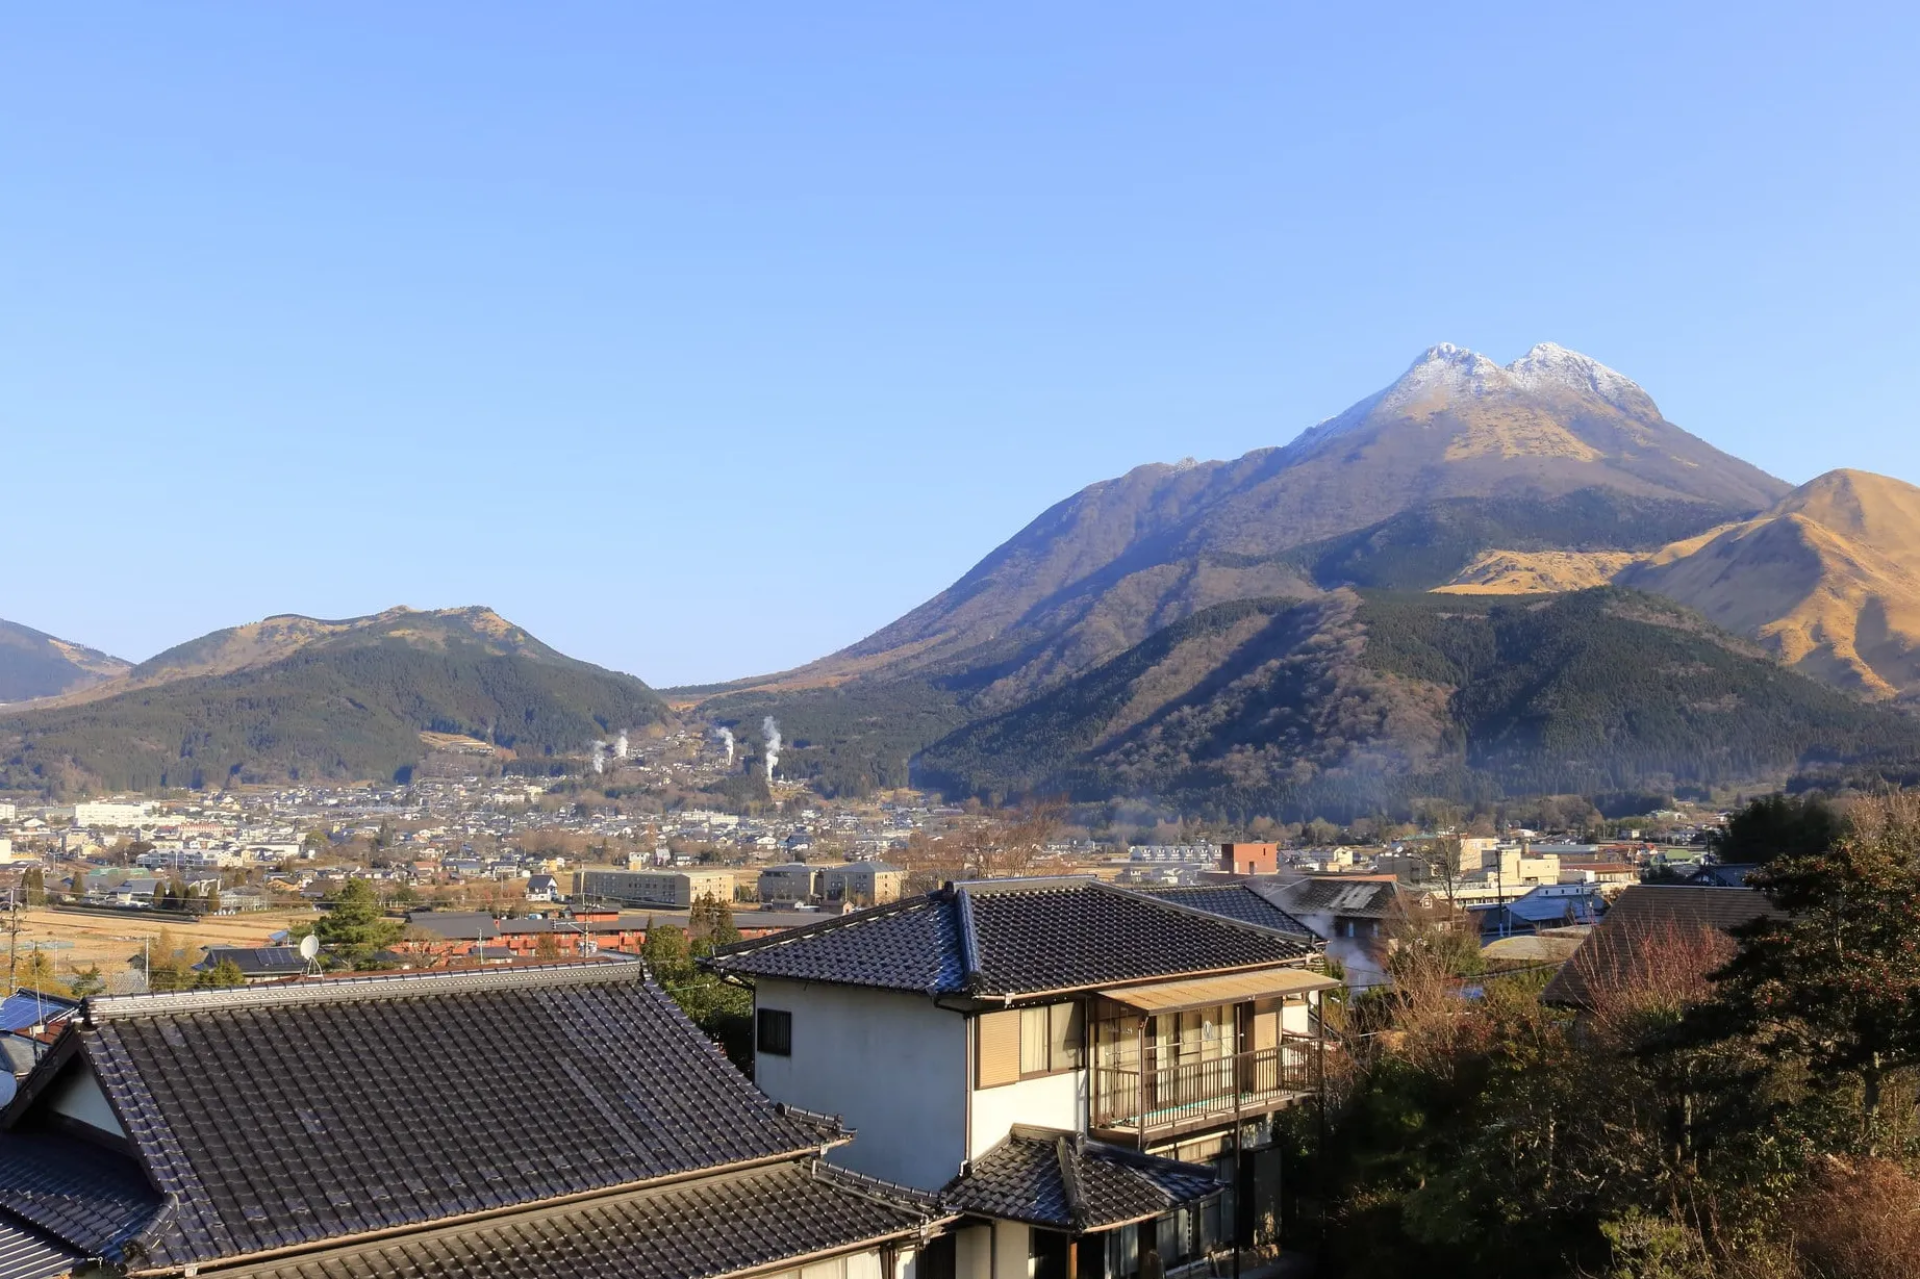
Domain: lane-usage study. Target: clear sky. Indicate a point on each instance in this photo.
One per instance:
(704, 339)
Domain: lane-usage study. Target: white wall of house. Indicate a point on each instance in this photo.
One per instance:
(1011, 1247)
(891, 1064)
(1297, 1019)
(78, 1096)
(973, 1252)
(1049, 1101)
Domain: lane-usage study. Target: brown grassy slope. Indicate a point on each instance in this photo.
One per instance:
(1537, 572)
(1828, 579)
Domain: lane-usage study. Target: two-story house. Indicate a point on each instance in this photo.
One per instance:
(1087, 1070)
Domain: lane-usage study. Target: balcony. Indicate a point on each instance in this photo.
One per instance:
(1137, 1106)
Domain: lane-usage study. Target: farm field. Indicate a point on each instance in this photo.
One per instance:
(77, 940)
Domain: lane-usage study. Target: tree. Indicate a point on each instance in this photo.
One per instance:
(355, 930)
(1443, 863)
(667, 954)
(1835, 981)
(34, 886)
(546, 946)
(88, 981)
(710, 921)
(1777, 826)
(222, 975)
(167, 967)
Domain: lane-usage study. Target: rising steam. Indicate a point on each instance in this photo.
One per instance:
(770, 729)
(726, 740)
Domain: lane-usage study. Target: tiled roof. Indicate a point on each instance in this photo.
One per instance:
(93, 1199)
(1347, 896)
(257, 960)
(1243, 902)
(1618, 948)
(994, 938)
(692, 1230)
(287, 1115)
(25, 1255)
(1062, 1181)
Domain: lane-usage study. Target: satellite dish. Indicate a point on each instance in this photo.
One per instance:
(309, 946)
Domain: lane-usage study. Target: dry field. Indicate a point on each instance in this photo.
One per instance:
(75, 940)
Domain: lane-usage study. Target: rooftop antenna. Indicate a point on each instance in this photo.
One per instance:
(310, 951)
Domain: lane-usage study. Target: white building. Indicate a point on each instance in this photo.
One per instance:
(1015, 1033)
(113, 813)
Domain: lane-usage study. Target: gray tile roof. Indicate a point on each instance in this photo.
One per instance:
(1343, 896)
(1619, 948)
(1243, 902)
(257, 961)
(693, 1230)
(1063, 1181)
(93, 1199)
(25, 1255)
(994, 938)
(283, 1116)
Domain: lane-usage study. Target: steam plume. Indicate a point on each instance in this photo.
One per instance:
(726, 740)
(620, 745)
(599, 757)
(770, 729)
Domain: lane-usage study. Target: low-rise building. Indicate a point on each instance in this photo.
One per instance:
(670, 888)
(862, 883)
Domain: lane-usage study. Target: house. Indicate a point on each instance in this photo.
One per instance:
(256, 963)
(1249, 859)
(1627, 941)
(1723, 874)
(345, 1128)
(1352, 914)
(1083, 1068)
(543, 888)
(1548, 906)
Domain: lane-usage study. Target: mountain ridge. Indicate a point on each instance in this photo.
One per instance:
(1104, 567)
(294, 697)
(34, 664)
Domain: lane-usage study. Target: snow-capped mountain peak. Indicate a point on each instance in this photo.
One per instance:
(1552, 365)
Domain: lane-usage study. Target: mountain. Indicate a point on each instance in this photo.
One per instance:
(1107, 567)
(299, 698)
(34, 664)
(1351, 704)
(1828, 579)
(1554, 457)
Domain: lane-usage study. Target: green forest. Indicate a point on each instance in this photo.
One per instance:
(327, 712)
(1357, 704)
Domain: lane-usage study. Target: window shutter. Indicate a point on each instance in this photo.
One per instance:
(1066, 1036)
(999, 1048)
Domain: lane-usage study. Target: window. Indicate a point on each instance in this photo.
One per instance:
(775, 1032)
(1025, 1043)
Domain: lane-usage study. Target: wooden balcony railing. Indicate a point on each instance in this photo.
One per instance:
(1192, 1093)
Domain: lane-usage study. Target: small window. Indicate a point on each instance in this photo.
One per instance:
(1066, 1036)
(1033, 1041)
(775, 1032)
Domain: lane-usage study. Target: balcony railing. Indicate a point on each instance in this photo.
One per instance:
(1191, 1094)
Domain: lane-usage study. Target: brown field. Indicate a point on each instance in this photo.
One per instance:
(111, 940)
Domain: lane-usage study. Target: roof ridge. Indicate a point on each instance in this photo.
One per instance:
(969, 942)
(1185, 909)
(748, 945)
(101, 1008)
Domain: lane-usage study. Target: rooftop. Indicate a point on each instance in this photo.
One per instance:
(1012, 937)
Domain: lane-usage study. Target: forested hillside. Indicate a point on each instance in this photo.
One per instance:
(1350, 704)
(347, 706)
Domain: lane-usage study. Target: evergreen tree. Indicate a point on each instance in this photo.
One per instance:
(354, 930)
(222, 975)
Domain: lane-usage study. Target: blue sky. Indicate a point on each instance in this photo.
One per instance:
(702, 340)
